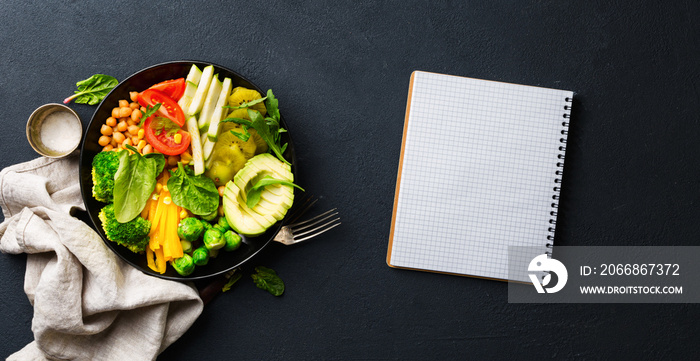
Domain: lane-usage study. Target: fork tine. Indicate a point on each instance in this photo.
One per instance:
(310, 233)
(307, 202)
(319, 218)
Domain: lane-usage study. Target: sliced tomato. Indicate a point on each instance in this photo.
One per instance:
(168, 107)
(161, 132)
(174, 88)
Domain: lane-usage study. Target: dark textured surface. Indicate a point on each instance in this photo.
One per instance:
(341, 74)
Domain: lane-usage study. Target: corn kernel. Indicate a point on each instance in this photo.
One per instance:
(141, 133)
(159, 187)
(167, 200)
(142, 143)
(177, 138)
(165, 188)
(186, 156)
(183, 214)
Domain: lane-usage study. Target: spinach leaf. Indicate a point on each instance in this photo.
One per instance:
(93, 89)
(198, 194)
(267, 127)
(253, 194)
(268, 280)
(133, 183)
(160, 161)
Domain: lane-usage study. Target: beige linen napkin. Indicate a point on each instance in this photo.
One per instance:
(88, 303)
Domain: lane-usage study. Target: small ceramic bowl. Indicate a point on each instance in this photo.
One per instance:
(54, 130)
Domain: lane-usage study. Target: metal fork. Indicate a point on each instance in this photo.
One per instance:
(301, 231)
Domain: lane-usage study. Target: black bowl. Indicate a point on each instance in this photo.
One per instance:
(140, 81)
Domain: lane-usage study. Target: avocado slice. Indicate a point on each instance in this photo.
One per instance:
(275, 199)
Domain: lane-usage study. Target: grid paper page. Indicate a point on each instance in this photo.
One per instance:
(478, 173)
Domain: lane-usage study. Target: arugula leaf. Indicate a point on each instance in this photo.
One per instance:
(267, 127)
(149, 111)
(272, 105)
(253, 194)
(242, 136)
(93, 89)
(268, 280)
(133, 183)
(198, 194)
(247, 104)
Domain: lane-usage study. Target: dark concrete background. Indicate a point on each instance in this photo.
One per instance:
(341, 73)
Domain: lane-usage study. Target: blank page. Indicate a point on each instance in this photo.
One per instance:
(477, 174)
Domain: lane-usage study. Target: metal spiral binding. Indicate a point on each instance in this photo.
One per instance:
(558, 173)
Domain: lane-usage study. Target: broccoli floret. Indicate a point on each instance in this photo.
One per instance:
(132, 235)
(104, 166)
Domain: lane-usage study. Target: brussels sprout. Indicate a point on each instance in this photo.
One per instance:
(206, 225)
(200, 256)
(186, 246)
(223, 224)
(183, 265)
(233, 241)
(214, 239)
(190, 228)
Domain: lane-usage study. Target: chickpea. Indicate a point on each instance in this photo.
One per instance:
(122, 126)
(107, 148)
(123, 103)
(172, 160)
(136, 116)
(125, 111)
(119, 137)
(147, 149)
(106, 130)
(130, 122)
(134, 105)
(111, 121)
(126, 142)
(221, 191)
(134, 96)
(104, 140)
(115, 112)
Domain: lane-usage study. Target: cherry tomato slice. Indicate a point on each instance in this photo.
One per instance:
(160, 133)
(168, 107)
(174, 88)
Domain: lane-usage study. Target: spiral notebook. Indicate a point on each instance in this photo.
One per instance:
(479, 172)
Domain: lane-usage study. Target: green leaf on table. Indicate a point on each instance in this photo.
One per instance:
(231, 281)
(93, 89)
(268, 280)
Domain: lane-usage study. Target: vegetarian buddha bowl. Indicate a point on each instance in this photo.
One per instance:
(187, 170)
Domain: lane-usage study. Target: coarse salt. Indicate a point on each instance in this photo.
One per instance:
(60, 132)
